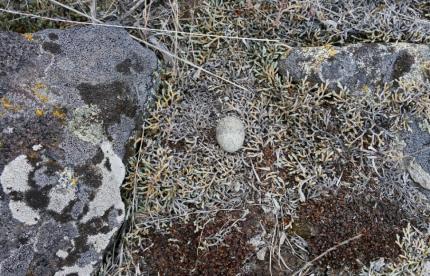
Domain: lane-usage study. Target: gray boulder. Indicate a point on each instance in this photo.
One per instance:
(358, 67)
(69, 102)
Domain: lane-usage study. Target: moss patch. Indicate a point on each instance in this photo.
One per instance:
(338, 217)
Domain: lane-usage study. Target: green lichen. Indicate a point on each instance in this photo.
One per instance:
(87, 125)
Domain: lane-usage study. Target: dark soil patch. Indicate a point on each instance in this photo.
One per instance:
(338, 217)
(288, 177)
(269, 157)
(181, 250)
(179, 146)
(209, 136)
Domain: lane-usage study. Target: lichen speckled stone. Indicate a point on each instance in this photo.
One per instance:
(230, 134)
(416, 156)
(358, 67)
(69, 102)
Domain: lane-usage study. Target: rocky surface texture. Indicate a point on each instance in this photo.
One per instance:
(69, 102)
(369, 68)
(358, 67)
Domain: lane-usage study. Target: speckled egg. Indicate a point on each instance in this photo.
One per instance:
(230, 134)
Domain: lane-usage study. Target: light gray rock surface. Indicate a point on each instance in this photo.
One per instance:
(230, 134)
(69, 102)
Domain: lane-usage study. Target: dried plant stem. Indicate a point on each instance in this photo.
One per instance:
(308, 264)
(173, 32)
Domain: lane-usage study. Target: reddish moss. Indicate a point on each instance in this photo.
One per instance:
(338, 217)
(178, 252)
(269, 157)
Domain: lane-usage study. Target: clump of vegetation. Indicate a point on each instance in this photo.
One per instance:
(220, 58)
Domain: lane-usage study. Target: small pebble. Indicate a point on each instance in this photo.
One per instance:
(230, 134)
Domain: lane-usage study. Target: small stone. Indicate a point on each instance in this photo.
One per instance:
(261, 254)
(230, 134)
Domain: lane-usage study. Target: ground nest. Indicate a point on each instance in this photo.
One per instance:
(187, 199)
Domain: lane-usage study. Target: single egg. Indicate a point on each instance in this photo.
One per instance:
(230, 134)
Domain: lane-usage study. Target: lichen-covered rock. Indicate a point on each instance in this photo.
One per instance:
(416, 152)
(358, 67)
(69, 102)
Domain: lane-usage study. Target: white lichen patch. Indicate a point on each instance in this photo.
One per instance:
(15, 175)
(8, 130)
(108, 194)
(80, 271)
(23, 212)
(60, 197)
(62, 254)
(87, 125)
(100, 241)
(15, 179)
(37, 147)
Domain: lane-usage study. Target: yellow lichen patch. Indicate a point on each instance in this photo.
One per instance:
(36, 89)
(331, 51)
(74, 182)
(426, 67)
(39, 112)
(8, 105)
(39, 85)
(58, 113)
(28, 36)
(41, 97)
(365, 88)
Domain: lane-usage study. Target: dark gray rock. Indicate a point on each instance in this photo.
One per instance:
(358, 67)
(415, 145)
(69, 102)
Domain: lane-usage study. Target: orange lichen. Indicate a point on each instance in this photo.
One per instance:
(28, 36)
(6, 103)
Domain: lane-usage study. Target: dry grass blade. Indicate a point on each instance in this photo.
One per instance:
(99, 23)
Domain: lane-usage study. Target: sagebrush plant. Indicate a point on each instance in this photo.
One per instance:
(300, 139)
